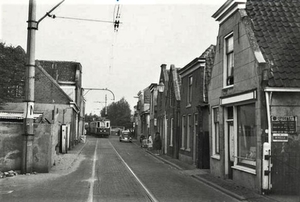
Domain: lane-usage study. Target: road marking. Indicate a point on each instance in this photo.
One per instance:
(149, 194)
(6, 192)
(92, 179)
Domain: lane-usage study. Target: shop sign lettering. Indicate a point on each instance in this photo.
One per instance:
(284, 124)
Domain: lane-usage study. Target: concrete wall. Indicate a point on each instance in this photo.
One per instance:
(11, 142)
(44, 146)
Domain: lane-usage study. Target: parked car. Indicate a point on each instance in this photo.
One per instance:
(125, 136)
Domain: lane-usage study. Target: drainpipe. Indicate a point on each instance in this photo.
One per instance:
(268, 115)
(266, 161)
(28, 136)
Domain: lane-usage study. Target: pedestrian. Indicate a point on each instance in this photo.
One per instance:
(150, 142)
(142, 139)
(157, 144)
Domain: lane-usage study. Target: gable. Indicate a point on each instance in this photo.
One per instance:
(47, 90)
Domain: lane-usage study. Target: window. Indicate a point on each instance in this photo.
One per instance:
(229, 61)
(215, 131)
(190, 90)
(183, 132)
(171, 132)
(246, 135)
(195, 124)
(189, 127)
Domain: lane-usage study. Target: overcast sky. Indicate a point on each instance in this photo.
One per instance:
(152, 33)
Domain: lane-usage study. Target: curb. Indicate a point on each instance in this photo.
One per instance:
(164, 160)
(226, 191)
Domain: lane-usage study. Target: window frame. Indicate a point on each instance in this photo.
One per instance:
(188, 133)
(171, 131)
(182, 132)
(216, 135)
(190, 90)
(227, 54)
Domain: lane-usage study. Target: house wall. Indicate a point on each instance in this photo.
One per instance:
(186, 109)
(44, 146)
(285, 171)
(246, 77)
(55, 113)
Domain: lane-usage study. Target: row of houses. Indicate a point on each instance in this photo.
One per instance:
(234, 108)
(58, 118)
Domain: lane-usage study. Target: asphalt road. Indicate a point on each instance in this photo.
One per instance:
(109, 170)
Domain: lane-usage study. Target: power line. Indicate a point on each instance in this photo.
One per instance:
(81, 19)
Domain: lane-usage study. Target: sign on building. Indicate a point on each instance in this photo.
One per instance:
(282, 126)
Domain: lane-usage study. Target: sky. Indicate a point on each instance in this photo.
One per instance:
(151, 33)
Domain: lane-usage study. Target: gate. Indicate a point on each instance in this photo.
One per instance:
(285, 172)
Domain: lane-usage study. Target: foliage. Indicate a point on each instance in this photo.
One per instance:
(91, 117)
(118, 113)
(12, 73)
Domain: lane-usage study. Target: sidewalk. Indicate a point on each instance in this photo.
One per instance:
(225, 186)
(65, 164)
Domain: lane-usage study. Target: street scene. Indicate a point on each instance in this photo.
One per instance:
(121, 100)
(109, 170)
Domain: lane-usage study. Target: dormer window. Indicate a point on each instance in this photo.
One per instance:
(229, 61)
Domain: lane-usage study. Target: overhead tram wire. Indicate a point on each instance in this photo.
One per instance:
(80, 19)
(116, 20)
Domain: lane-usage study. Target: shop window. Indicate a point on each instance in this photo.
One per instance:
(246, 135)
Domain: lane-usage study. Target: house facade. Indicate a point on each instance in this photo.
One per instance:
(69, 77)
(194, 110)
(173, 113)
(253, 95)
(53, 109)
(162, 126)
(142, 114)
(153, 108)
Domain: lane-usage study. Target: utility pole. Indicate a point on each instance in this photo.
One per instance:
(28, 136)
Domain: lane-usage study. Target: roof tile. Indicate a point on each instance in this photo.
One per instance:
(276, 25)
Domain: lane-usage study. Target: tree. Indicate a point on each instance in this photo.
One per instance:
(12, 73)
(91, 117)
(118, 113)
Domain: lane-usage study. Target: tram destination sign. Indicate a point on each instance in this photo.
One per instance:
(284, 124)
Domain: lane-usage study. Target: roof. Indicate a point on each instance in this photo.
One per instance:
(176, 81)
(276, 26)
(61, 71)
(209, 55)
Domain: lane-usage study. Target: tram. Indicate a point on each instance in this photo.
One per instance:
(100, 128)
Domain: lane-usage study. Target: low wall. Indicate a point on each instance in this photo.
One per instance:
(11, 142)
(11, 146)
